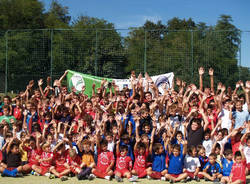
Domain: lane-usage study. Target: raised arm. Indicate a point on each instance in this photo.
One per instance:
(201, 72)
(211, 74)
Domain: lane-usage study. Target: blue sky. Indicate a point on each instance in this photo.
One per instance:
(133, 13)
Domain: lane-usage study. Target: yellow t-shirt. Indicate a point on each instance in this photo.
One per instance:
(88, 159)
(24, 154)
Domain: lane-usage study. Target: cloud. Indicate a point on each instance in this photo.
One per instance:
(136, 21)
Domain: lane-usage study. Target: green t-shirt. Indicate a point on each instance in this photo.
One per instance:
(7, 119)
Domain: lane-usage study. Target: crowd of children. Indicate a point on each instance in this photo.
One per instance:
(184, 133)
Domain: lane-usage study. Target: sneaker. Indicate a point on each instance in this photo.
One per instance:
(149, 177)
(92, 176)
(217, 180)
(51, 176)
(106, 177)
(32, 172)
(163, 178)
(187, 179)
(19, 175)
(206, 179)
(36, 174)
(197, 179)
(47, 174)
(64, 178)
(118, 179)
(133, 178)
(71, 174)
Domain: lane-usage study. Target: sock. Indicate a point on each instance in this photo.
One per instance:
(143, 174)
(99, 174)
(156, 175)
(86, 171)
(6, 172)
(14, 172)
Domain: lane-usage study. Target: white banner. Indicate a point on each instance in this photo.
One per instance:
(159, 80)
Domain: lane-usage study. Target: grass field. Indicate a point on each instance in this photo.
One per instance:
(45, 180)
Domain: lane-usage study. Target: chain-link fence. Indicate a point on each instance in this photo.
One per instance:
(35, 54)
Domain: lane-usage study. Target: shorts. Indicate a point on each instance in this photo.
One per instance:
(243, 180)
(248, 167)
(122, 171)
(60, 169)
(175, 175)
(11, 168)
(102, 169)
(191, 174)
(73, 169)
(139, 170)
(44, 169)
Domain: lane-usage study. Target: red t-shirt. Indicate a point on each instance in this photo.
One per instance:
(32, 154)
(17, 113)
(60, 159)
(140, 160)
(46, 155)
(235, 145)
(239, 171)
(75, 162)
(123, 162)
(104, 159)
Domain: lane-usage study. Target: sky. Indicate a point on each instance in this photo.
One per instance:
(134, 13)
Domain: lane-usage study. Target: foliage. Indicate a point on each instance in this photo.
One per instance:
(93, 46)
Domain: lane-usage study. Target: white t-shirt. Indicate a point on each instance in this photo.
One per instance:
(111, 146)
(247, 153)
(225, 120)
(208, 145)
(191, 163)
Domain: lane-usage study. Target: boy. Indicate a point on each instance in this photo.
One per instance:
(14, 167)
(238, 173)
(123, 164)
(176, 162)
(106, 160)
(227, 164)
(60, 156)
(212, 170)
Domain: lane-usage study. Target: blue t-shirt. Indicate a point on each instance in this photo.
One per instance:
(130, 150)
(240, 118)
(159, 162)
(213, 169)
(175, 164)
(227, 167)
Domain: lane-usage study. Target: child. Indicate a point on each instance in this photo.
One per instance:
(176, 160)
(212, 170)
(123, 164)
(202, 156)
(207, 142)
(73, 162)
(238, 174)
(227, 164)
(87, 162)
(34, 152)
(141, 154)
(158, 154)
(192, 164)
(106, 160)
(246, 137)
(14, 167)
(60, 156)
(45, 162)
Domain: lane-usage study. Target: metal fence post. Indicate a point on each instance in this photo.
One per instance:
(96, 47)
(192, 53)
(239, 62)
(6, 63)
(51, 55)
(145, 51)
